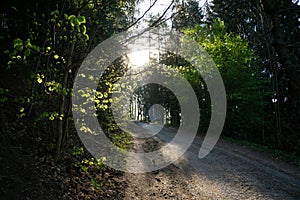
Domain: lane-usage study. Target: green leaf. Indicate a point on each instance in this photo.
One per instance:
(71, 17)
(10, 62)
(56, 56)
(27, 43)
(3, 99)
(84, 30)
(22, 109)
(99, 95)
(55, 12)
(27, 52)
(72, 23)
(81, 19)
(72, 20)
(86, 36)
(18, 44)
(39, 80)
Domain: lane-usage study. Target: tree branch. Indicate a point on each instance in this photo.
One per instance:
(161, 17)
(134, 23)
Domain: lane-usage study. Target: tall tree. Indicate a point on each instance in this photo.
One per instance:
(53, 38)
(272, 29)
(236, 63)
(188, 14)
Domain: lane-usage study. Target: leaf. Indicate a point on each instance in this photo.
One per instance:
(56, 56)
(55, 12)
(71, 17)
(10, 62)
(39, 80)
(18, 44)
(81, 19)
(99, 95)
(86, 36)
(18, 41)
(22, 109)
(3, 99)
(72, 23)
(27, 52)
(84, 29)
(27, 43)
(36, 48)
(72, 20)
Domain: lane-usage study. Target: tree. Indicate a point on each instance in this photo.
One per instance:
(53, 38)
(236, 63)
(272, 29)
(279, 13)
(188, 14)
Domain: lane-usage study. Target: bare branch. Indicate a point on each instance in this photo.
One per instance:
(134, 23)
(161, 17)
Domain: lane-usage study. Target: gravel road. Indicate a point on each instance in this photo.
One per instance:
(230, 172)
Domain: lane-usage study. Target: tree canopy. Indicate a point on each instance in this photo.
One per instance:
(255, 45)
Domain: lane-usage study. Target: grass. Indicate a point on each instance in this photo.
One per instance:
(276, 153)
(121, 139)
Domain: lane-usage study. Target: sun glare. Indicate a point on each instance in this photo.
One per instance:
(138, 59)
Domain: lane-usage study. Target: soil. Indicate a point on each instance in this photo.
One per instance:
(230, 171)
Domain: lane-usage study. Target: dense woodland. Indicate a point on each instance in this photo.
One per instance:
(255, 45)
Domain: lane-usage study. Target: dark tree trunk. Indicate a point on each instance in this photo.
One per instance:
(291, 66)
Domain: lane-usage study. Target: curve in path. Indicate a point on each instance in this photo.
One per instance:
(229, 172)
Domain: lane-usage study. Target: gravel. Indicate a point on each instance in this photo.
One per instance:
(230, 172)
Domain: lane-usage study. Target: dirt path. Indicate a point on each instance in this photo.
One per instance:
(229, 172)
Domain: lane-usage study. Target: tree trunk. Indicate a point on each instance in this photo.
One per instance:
(60, 133)
(292, 69)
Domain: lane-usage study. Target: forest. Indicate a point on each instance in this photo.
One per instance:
(254, 44)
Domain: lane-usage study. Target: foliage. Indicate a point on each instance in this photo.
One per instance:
(90, 178)
(77, 150)
(54, 40)
(272, 29)
(237, 66)
(255, 46)
(272, 150)
(3, 95)
(121, 140)
(188, 14)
